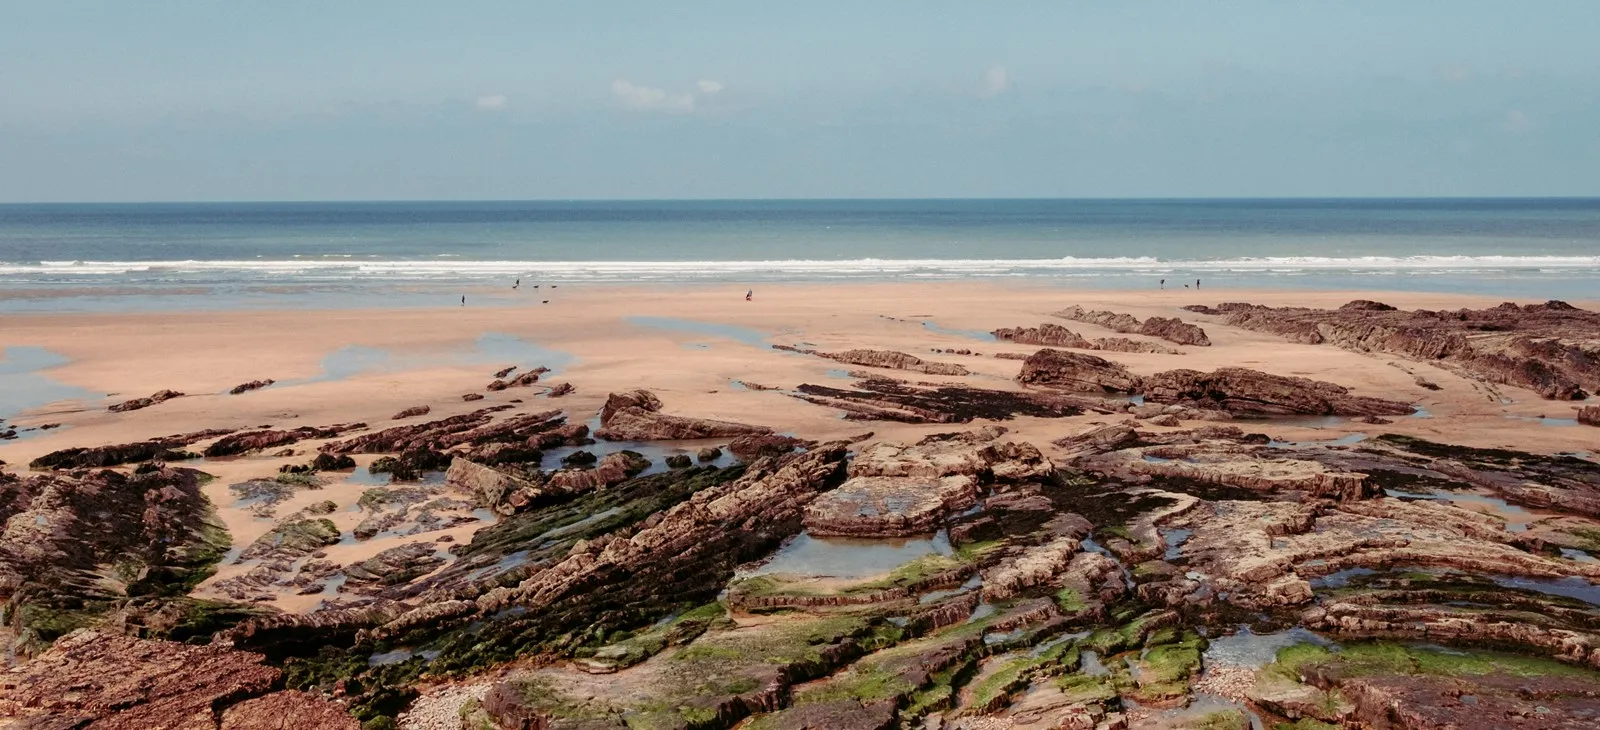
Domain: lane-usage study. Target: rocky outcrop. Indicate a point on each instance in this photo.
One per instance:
(492, 487)
(755, 446)
(82, 541)
(394, 566)
(287, 710)
(524, 380)
(111, 682)
(887, 359)
(1589, 415)
(411, 412)
(1170, 329)
(168, 448)
(293, 538)
(611, 469)
(1047, 335)
(1054, 335)
(636, 416)
(508, 490)
(244, 442)
(878, 506)
(689, 549)
(1548, 348)
(1243, 391)
(1247, 466)
(1040, 563)
(559, 389)
(1077, 372)
(252, 385)
(160, 396)
(1123, 344)
(896, 490)
(891, 400)
(1098, 439)
(1175, 330)
(465, 433)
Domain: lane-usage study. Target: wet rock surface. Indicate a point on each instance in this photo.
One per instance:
(78, 546)
(1548, 348)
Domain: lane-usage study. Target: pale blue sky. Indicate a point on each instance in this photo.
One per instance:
(407, 100)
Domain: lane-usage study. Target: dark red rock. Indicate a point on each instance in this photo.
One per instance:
(112, 682)
(247, 441)
(412, 411)
(1589, 415)
(1251, 392)
(252, 385)
(1077, 372)
(94, 457)
(159, 396)
(1542, 347)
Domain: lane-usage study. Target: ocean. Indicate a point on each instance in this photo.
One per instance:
(72, 257)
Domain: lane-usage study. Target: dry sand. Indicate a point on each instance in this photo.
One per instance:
(429, 358)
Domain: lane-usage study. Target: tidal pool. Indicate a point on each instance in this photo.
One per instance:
(25, 386)
(840, 557)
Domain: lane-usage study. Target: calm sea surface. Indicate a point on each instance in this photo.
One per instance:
(76, 257)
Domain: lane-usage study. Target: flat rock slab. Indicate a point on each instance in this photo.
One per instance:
(883, 506)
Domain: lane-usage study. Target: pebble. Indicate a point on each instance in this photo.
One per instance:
(441, 709)
(1227, 680)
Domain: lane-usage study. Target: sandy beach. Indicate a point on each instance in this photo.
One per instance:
(705, 353)
(687, 344)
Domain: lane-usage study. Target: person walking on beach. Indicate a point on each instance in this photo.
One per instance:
(519, 283)
(463, 300)
(749, 294)
(1197, 283)
(1163, 283)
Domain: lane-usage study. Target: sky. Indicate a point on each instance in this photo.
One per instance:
(399, 100)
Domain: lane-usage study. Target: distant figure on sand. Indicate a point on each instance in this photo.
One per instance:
(1163, 283)
(519, 283)
(463, 300)
(1197, 283)
(749, 294)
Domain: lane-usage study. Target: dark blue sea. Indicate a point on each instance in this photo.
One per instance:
(72, 257)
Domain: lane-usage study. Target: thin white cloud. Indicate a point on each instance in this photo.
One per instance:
(996, 81)
(491, 102)
(649, 98)
(1517, 121)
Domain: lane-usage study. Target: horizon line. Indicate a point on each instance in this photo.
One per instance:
(1041, 198)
